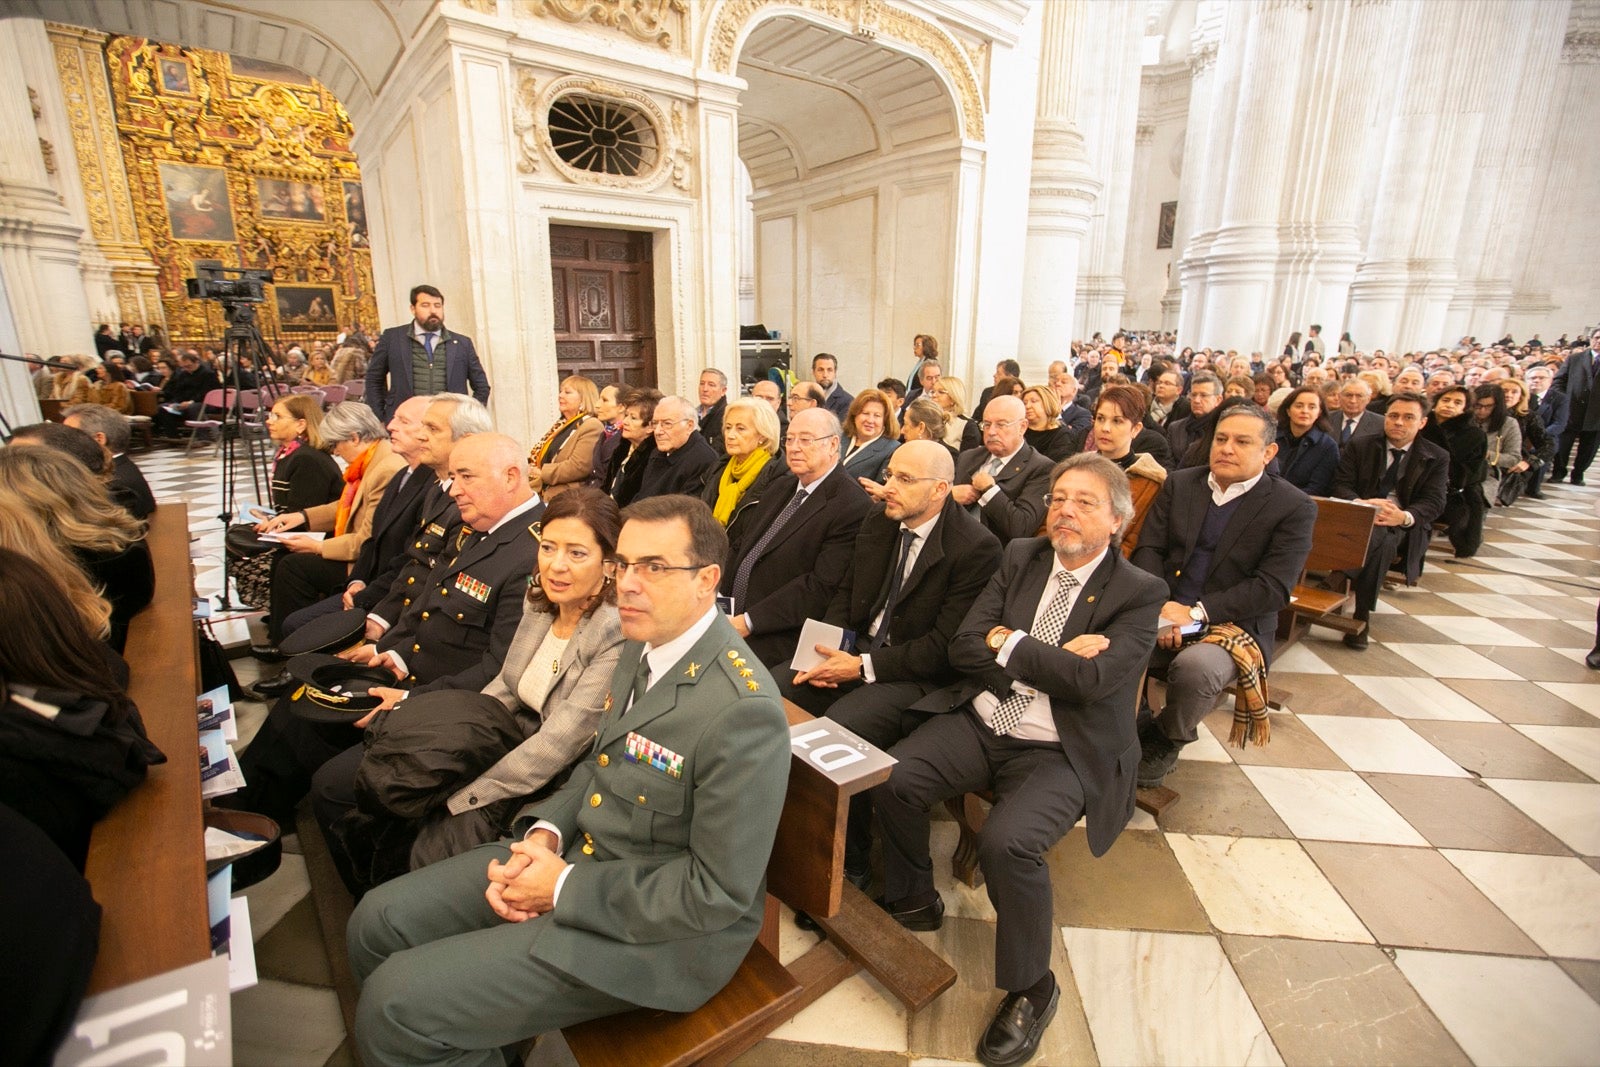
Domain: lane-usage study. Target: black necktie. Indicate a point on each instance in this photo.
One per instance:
(1391, 477)
(741, 580)
(1349, 427)
(896, 576)
(641, 683)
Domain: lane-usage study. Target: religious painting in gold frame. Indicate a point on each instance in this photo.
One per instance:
(306, 308)
(197, 202)
(290, 200)
(176, 77)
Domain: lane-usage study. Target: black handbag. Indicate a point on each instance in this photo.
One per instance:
(1511, 485)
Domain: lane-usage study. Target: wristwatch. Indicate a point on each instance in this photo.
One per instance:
(997, 638)
(1197, 614)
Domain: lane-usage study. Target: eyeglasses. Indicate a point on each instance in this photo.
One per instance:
(806, 440)
(649, 569)
(999, 424)
(1079, 503)
(906, 479)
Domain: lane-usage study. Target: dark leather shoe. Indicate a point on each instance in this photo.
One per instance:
(267, 653)
(1158, 754)
(1593, 660)
(1013, 1035)
(1356, 641)
(860, 877)
(804, 921)
(925, 919)
(271, 688)
(1531, 495)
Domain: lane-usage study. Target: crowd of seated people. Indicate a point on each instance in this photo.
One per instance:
(1005, 576)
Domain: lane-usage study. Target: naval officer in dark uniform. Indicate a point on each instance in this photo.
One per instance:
(642, 881)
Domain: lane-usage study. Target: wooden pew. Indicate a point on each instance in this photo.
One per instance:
(147, 860)
(1338, 543)
(807, 873)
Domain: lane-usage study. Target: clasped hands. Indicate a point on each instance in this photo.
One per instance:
(1389, 513)
(524, 886)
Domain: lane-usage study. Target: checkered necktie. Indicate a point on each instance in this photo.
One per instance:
(1051, 623)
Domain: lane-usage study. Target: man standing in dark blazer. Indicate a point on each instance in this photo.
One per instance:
(1406, 479)
(422, 357)
(1229, 540)
(794, 553)
(1005, 481)
(1576, 378)
(1053, 650)
(919, 563)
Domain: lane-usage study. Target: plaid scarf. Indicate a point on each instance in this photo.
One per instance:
(1250, 722)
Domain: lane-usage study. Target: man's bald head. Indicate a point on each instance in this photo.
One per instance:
(489, 478)
(1004, 421)
(918, 482)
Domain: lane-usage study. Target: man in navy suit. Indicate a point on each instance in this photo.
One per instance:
(1551, 405)
(422, 358)
(1230, 541)
(825, 372)
(1576, 378)
(1052, 650)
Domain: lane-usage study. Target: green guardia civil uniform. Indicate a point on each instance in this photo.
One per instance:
(668, 822)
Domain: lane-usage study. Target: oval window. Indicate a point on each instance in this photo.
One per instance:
(604, 136)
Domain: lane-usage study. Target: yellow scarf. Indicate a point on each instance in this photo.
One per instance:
(352, 480)
(541, 451)
(736, 478)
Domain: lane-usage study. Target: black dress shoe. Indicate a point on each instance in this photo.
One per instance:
(1013, 1035)
(271, 688)
(267, 653)
(1356, 641)
(925, 919)
(804, 921)
(1593, 660)
(860, 877)
(1532, 495)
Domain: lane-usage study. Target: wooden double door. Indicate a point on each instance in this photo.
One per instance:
(604, 292)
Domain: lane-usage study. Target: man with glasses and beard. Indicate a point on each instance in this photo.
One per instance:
(795, 551)
(1052, 650)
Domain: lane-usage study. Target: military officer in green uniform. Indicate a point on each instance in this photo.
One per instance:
(642, 881)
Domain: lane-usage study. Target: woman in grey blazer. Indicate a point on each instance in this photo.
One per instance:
(555, 679)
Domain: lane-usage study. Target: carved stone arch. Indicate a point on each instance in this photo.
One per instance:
(732, 21)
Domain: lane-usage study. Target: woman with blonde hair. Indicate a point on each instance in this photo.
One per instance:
(77, 510)
(1045, 432)
(564, 458)
(752, 439)
(21, 532)
(960, 433)
(69, 384)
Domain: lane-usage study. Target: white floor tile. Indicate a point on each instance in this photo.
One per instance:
(1566, 809)
(1331, 806)
(1536, 550)
(1301, 659)
(1206, 748)
(1506, 1010)
(1555, 899)
(1582, 695)
(271, 898)
(1129, 979)
(876, 1020)
(1578, 745)
(1452, 661)
(1385, 746)
(1472, 630)
(1419, 698)
(1253, 885)
(1519, 565)
(1513, 584)
(1496, 605)
(282, 1023)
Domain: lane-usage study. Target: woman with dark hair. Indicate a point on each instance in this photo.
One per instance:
(1503, 435)
(555, 681)
(1451, 427)
(1118, 431)
(626, 470)
(71, 742)
(925, 347)
(608, 410)
(78, 511)
(1308, 456)
(871, 435)
(564, 457)
(1045, 432)
(1291, 350)
(1537, 445)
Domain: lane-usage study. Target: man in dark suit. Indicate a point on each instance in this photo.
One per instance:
(407, 359)
(1406, 479)
(919, 563)
(1576, 378)
(683, 459)
(183, 397)
(1052, 650)
(1230, 541)
(1353, 420)
(795, 551)
(110, 429)
(1075, 417)
(825, 372)
(1005, 481)
(713, 391)
(1552, 408)
(1205, 393)
(601, 901)
(1006, 368)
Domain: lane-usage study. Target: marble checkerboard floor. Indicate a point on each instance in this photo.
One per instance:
(1409, 873)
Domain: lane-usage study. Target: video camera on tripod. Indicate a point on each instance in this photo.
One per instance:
(235, 288)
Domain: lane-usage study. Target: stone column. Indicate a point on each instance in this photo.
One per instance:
(1401, 290)
(1063, 191)
(1139, 233)
(96, 183)
(1203, 143)
(38, 238)
(1110, 114)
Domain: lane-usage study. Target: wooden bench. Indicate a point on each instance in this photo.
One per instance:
(806, 872)
(1338, 543)
(147, 856)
